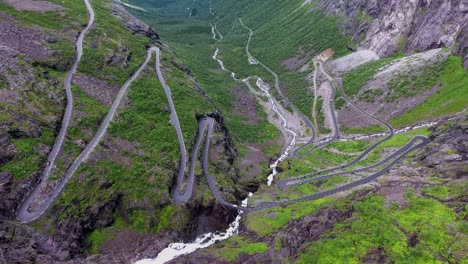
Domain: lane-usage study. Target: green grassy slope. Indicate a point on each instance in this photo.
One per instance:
(275, 40)
(449, 99)
(279, 36)
(137, 175)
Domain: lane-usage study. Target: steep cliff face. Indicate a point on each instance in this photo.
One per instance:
(412, 25)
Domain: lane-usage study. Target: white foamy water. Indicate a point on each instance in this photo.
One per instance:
(399, 131)
(213, 32)
(221, 64)
(175, 250)
(284, 124)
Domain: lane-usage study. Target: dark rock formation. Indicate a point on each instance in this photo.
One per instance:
(137, 26)
(230, 150)
(448, 154)
(297, 233)
(414, 26)
(7, 152)
(22, 244)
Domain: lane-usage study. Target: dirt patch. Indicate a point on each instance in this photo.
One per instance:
(372, 97)
(394, 194)
(9, 96)
(131, 246)
(114, 149)
(5, 16)
(376, 255)
(97, 89)
(350, 62)
(13, 39)
(381, 109)
(33, 5)
(245, 105)
(18, 43)
(297, 62)
(116, 158)
(349, 117)
(125, 145)
(325, 92)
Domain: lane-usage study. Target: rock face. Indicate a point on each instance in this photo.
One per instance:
(22, 244)
(412, 25)
(137, 26)
(448, 155)
(379, 105)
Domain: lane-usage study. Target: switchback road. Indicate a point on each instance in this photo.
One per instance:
(22, 214)
(206, 125)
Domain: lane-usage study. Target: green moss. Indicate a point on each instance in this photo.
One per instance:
(375, 226)
(411, 84)
(363, 17)
(440, 192)
(277, 243)
(449, 99)
(354, 80)
(166, 218)
(271, 220)
(27, 158)
(98, 237)
(350, 146)
(236, 245)
(3, 82)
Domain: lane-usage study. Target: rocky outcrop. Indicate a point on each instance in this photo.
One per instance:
(96, 88)
(137, 26)
(448, 154)
(230, 150)
(291, 238)
(128, 247)
(375, 96)
(412, 25)
(462, 47)
(23, 244)
(8, 150)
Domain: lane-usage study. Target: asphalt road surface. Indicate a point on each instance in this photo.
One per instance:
(22, 213)
(183, 192)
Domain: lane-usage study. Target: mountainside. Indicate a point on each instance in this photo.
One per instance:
(412, 26)
(314, 131)
(123, 189)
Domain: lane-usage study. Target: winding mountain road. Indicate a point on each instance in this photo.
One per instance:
(411, 146)
(183, 192)
(336, 131)
(390, 160)
(22, 214)
(304, 118)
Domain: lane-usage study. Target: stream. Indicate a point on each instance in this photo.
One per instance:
(284, 124)
(177, 249)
